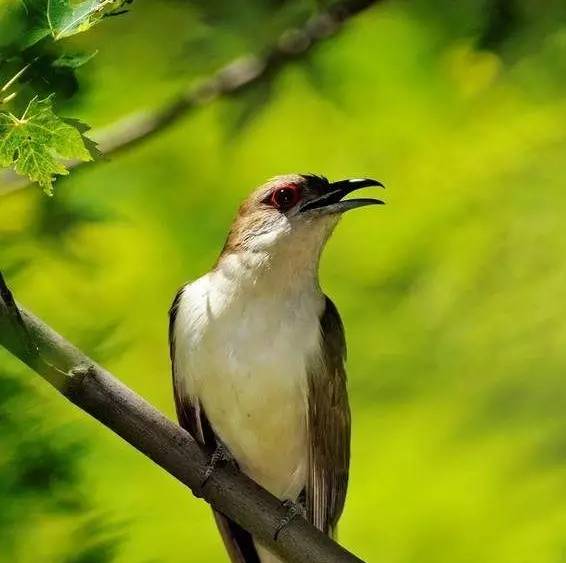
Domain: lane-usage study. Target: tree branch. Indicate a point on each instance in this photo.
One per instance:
(231, 80)
(98, 393)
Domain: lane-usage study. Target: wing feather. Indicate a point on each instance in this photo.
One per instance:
(328, 426)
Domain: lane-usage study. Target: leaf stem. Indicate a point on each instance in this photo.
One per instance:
(8, 98)
(23, 118)
(14, 78)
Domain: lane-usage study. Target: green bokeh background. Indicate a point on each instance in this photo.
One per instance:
(453, 295)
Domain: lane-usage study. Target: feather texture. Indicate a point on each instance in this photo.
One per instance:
(328, 426)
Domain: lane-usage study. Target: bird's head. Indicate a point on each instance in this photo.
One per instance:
(295, 210)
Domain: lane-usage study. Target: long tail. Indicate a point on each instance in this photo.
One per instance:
(240, 545)
(238, 542)
(265, 556)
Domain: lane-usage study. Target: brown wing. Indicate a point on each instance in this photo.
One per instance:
(238, 542)
(328, 427)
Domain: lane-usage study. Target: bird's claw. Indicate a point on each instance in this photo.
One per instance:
(294, 509)
(220, 456)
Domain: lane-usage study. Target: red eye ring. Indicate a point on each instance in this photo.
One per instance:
(286, 197)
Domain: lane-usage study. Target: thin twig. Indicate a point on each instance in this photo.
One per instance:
(14, 78)
(22, 341)
(232, 80)
(19, 327)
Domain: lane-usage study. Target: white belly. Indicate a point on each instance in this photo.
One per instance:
(258, 411)
(245, 360)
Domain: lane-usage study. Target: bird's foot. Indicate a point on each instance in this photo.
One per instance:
(294, 509)
(220, 456)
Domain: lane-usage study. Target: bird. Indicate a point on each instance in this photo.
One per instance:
(258, 355)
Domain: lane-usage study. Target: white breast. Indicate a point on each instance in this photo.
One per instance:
(242, 350)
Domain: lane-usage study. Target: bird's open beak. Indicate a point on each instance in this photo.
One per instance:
(331, 201)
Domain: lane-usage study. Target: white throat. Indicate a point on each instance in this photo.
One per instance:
(288, 264)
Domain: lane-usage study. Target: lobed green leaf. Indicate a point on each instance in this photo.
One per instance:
(34, 143)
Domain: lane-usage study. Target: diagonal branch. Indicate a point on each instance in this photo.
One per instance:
(233, 79)
(98, 393)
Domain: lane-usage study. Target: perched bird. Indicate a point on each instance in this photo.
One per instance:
(258, 354)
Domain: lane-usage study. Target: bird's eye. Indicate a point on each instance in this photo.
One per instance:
(285, 198)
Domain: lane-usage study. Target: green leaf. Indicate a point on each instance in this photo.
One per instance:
(33, 143)
(83, 128)
(24, 23)
(74, 60)
(65, 17)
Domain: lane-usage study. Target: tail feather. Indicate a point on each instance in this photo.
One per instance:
(238, 542)
(266, 556)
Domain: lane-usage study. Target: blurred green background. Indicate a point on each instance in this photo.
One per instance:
(453, 295)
